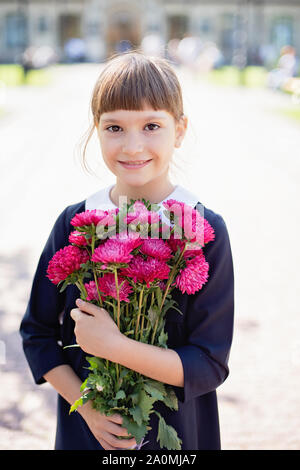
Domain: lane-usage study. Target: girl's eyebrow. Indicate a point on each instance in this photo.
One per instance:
(146, 118)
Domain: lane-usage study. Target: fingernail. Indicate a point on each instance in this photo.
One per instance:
(79, 302)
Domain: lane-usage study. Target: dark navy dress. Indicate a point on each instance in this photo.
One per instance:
(202, 337)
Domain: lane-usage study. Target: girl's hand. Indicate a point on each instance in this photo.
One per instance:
(106, 428)
(95, 331)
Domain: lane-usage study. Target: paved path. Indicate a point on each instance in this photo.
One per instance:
(242, 158)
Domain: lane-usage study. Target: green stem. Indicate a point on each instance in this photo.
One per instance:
(116, 364)
(94, 270)
(118, 298)
(142, 326)
(139, 313)
(170, 280)
(148, 329)
(82, 289)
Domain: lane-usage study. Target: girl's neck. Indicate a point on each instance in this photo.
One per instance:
(152, 192)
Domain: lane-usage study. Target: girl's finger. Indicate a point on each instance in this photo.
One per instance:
(106, 445)
(118, 443)
(75, 313)
(115, 419)
(117, 430)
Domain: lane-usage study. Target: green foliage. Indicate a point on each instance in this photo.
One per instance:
(167, 436)
(111, 387)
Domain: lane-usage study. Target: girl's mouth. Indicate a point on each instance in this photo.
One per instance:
(135, 165)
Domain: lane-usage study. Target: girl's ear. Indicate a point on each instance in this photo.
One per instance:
(181, 128)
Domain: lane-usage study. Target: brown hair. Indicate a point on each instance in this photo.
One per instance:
(131, 79)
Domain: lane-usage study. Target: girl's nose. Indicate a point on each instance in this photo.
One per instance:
(132, 145)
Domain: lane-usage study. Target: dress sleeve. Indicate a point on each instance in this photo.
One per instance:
(40, 325)
(209, 321)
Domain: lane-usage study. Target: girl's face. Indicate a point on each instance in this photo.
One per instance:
(147, 137)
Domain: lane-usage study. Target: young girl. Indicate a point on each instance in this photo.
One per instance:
(138, 114)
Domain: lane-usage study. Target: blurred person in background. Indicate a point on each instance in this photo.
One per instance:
(34, 58)
(153, 45)
(75, 50)
(287, 68)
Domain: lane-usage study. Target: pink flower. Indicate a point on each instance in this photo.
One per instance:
(156, 248)
(195, 227)
(141, 270)
(113, 251)
(162, 285)
(107, 286)
(174, 206)
(77, 238)
(175, 243)
(141, 215)
(91, 290)
(95, 216)
(66, 261)
(193, 276)
(131, 239)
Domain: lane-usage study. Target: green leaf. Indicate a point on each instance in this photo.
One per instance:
(126, 333)
(75, 405)
(170, 400)
(155, 389)
(64, 286)
(83, 385)
(158, 296)
(162, 339)
(121, 394)
(134, 397)
(145, 403)
(124, 373)
(167, 435)
(138, 431)
(152, 314)
(136, 413)
(95, 362)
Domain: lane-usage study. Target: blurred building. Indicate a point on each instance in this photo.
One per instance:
(246, 31)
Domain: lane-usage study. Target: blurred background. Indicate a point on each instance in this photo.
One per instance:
(238, 64)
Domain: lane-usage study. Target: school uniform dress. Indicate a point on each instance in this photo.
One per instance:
(202, 336)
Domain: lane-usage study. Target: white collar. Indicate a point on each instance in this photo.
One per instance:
(101, 199)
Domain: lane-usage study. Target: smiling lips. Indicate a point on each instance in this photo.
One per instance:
(137, 164)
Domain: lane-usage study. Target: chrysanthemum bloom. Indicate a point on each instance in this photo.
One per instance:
(193, 276)
(175, 243)
(198, 229)
(191, 250)
(162, 285)
(141, 215)
(91, 290)
(77, 238)
(156, 248)
(107, 286)
(113, 251)
(131, 239)
(177, 207)
(65, 262)
(147, 271)
(194, 225)
(95, 216)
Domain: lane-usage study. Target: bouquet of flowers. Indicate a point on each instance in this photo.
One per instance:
(128, 261)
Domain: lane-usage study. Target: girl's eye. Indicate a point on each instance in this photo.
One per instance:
(113, 127)
(151, 124)
(116, 128)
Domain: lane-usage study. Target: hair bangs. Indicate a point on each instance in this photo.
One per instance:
(132, 81)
